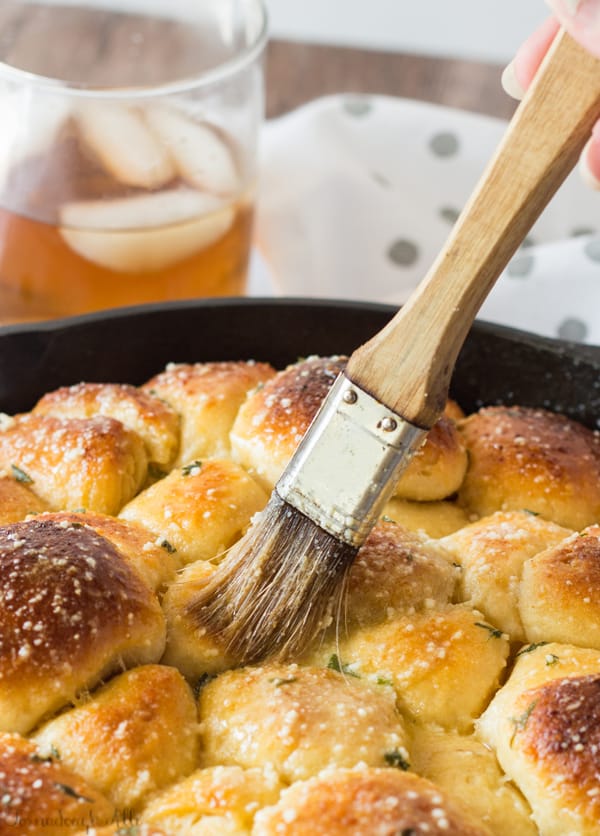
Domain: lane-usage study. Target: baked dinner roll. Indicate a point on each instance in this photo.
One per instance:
(271, 422)
(491, 553)
(207, 397)
(299, 720)
(134, 736)
(217, 801)
(154, 559)
(71, 611)
(545, 727)
(126, 827)
(364, 802)
(17, 501)
(534, 460)
(468, 771)
(273, 419)
(437, 469)
(92, 463)
(190, 648)
(200, 509)
(41, 796)
(150, 417)
(444, 664)
(436, 519)
(395, 571)
(560, 592)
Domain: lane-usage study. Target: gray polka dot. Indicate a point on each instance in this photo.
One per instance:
(592, 249)
(444, 144)
(358, 106)
(521, 266)
(449, 213)
(580, 231)
(572, 329)
(403, 253)
(380, 179)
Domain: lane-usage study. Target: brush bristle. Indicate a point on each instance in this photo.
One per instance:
(277, 588)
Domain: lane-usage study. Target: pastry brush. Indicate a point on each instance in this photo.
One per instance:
(278, 586)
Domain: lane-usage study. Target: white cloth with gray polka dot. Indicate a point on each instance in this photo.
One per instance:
(357, 195)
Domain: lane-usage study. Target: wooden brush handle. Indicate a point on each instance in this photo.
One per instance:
(408, 365)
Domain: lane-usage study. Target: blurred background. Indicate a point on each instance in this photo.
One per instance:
(487, 30)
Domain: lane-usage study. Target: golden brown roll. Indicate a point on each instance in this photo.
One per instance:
(43, 797)
(217, 801)
(444, 664)
(299, 720)
(190, 648)
(150, 417)
(134, 736)
(435, 519)
(127, 826)
(207, 397)
(364, 802)
(200, 509)
(468, 771)
(533, 460)
(155, 560)
(491, 553)
(396, 571)
(559, 595)
(17, 501)
(92, 463)
(437, 469)
(71, 611)
(273, 419)
(545, 727)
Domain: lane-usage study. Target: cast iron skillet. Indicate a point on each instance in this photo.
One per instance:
(497, 365)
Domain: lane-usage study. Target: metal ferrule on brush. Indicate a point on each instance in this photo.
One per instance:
(354, 446)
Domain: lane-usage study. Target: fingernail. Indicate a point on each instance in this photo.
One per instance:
(588, 164)
(510, 83)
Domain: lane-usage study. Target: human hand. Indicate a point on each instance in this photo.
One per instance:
(581, 18)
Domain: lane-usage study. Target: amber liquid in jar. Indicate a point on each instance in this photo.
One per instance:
(51, 266)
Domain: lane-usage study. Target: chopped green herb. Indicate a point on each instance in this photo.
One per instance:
(493, 631)
(396, 759)
(72, 793)
(79, 511)
(334, 664)
(155, 472)
(202, 681)
(279, 681)
(457, 565)
(531, 647)
(54, 752)
(129, 830)
(77, 525)
(533, 513)
(521, 721)
(385, 518)
(552, 659)
(383, 680)
(168, 547)
(20, 475)
(191, 468)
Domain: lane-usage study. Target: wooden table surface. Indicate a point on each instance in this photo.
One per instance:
(298, 72)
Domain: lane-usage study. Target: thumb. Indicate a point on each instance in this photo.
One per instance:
(581, 18)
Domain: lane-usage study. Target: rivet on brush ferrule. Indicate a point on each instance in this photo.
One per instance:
(354, 446)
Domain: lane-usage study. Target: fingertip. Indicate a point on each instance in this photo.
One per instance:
(510, 82)
(589, 162)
